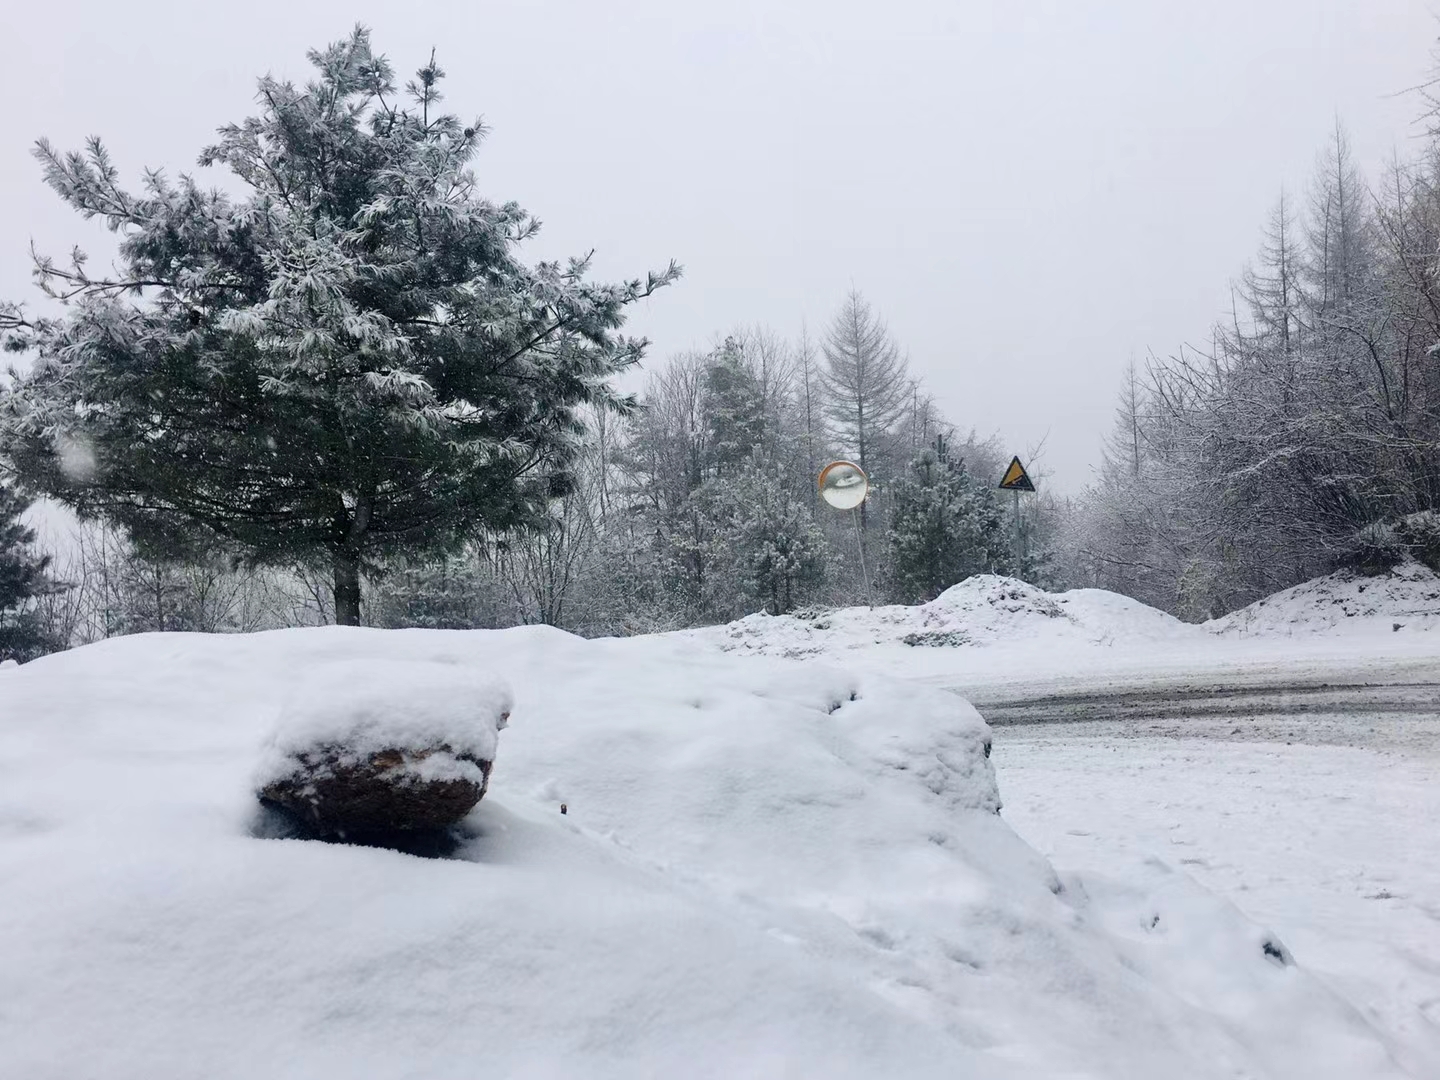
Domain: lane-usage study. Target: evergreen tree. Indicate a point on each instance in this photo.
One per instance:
(453, 592)
(770, 537)
(346, 362)
(944, 528)
(734, 405)
(23, 578)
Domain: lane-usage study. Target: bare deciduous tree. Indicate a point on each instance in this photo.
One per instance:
(866, 380)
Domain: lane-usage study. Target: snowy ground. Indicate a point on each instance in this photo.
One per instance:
(1288, 760)
(768, 868)
(1286, 757)
(1335, 847)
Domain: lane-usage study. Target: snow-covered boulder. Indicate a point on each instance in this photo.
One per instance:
(384, 746)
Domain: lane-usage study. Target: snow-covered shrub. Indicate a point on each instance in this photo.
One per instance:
(1420, 534)
(937, 638)
(1374, 549)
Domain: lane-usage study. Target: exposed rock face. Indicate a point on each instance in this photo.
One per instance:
(335, 792)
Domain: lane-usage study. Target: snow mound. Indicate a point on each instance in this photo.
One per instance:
(766, 869)
(1406, 599)
(984, 610)
(360, 708)
(994, 607)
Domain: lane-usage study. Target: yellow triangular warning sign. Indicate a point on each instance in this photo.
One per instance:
(1016, 478)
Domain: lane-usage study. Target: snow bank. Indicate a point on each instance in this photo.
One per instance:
(992, 638)
(984, 610)
(1406, 599)
(767, 869)
(360, 708)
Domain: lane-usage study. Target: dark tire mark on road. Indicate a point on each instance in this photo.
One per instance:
(1176, 702)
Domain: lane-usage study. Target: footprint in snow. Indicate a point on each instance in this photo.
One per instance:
(877, 937)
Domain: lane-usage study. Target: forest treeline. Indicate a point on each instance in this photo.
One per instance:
(697, 505)
(1306, 436)
(344, 398)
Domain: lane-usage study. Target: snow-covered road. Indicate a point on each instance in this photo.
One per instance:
(1335, 847)
(1385, 712)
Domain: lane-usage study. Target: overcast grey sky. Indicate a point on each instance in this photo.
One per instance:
(1031, 194)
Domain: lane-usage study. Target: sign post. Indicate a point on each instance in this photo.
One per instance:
(1016, 480)
(844, 485)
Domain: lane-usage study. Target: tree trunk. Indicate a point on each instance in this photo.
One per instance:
(860, 439)
(347, 588)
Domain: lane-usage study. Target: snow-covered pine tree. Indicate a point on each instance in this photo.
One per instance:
(734, 404)
(767, 535)
(346, 361)
(24, 577)
(459, 591)
(944, 527)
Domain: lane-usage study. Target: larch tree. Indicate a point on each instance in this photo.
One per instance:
(866, 381)
(1341, 234)
(807, 402)
(343, 362)
(1273, 292)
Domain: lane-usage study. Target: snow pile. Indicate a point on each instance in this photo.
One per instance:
(987, 608)
(448, 714)
(984, 610)
(766, 869)
(1407, 598)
